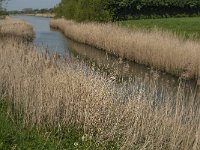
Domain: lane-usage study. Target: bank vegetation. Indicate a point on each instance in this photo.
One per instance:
(17, 28)
(48, 91)
(162, 50)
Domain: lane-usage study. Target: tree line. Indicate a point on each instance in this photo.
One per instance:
(83, 10)
(32, 11)
(112, 10)
(3, 11)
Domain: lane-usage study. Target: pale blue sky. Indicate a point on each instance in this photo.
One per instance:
(20, 4)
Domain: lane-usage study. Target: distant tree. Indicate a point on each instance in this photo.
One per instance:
(2, 10)
(1, 3)
(82, 10)
(106, 10)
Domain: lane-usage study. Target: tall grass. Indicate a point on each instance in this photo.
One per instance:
(159, 49)
(18, 28)
(49, 91)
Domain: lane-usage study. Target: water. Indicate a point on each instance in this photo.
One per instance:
(44, 36)
(142, 77)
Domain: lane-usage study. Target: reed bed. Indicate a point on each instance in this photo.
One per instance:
(53, 92)
(162, 50)
(18, 28)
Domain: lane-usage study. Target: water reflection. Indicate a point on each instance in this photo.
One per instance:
(140, 77)
(124, 69)
(44, 36)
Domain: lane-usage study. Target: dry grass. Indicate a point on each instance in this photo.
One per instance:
(159, 49)
(48, 91)
(18, 28)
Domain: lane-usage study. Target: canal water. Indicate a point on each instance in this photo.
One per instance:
(114, 67)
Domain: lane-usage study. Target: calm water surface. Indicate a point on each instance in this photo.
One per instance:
(54, 41)
(99, 60)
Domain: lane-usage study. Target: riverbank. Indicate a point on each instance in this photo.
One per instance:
(161, 50)
(51, 93)
(48, 95)
(17, 28)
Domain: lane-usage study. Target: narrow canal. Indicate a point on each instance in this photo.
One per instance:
(116, 68)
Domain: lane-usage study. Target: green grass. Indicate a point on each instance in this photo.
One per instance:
(188, 27)
(14, 137)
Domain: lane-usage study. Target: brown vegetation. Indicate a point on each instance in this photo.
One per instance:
(18, 28)
(48, 90)
(159, 49)
(45, 90)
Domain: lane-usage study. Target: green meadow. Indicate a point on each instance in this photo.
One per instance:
(187, 27)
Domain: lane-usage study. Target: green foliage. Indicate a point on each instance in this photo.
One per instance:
(106, 10)
(123, 9)
(2, 10)
(187, 27)
(1, 2)
(3, 13)
(16, 137)
(82, 10)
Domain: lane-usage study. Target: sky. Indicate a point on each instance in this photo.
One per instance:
(20, 4)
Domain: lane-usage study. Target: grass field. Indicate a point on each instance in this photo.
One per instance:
(187, 27)
(14, 136)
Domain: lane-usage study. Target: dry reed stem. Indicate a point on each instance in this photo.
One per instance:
(18, 28)
(159, 49)
(45, 90)
(52, 92)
